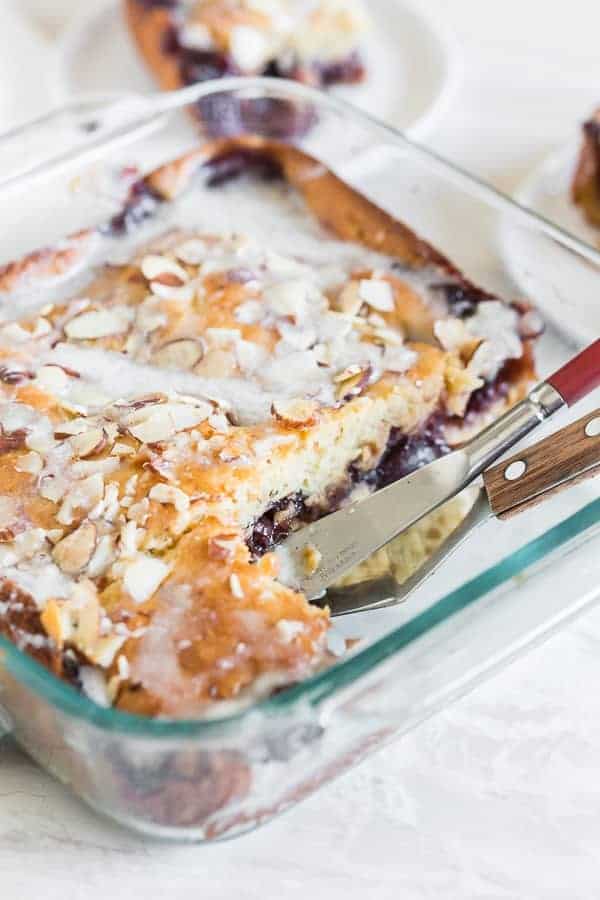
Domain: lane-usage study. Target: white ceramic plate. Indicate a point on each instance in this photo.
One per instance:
(412, 61)
(570, 292)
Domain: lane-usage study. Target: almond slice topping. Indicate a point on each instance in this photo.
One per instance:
(143, 577)
(98, 324)
(182, 353)
(163, 270)
(74, 552)
(296, 413)
(377, 293)
(351, 381)
(349, 300)
(166, 493)
(89, 443)
(235, 586)
(163, 421)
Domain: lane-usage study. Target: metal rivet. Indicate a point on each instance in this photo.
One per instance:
(515, 470)
(592, 429)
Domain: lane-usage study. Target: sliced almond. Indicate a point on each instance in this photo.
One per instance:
(97, 324)
(9, 532)
(166, 420)
(348, 373)
(168, 279)
(141, 402)
(57, 621)
(166, 493)
(86, 613)
(377, 293)
(143, 577)
(104, 650)
(120, 449)
(183, 293)
(94, 685)
(388, 337)
(191, 252)
(222, 546)
(454, 337)
(349, 300)
(398, 359)
(89, 443)
(182, 353)
(31, 463)
(14, 375)
(74, 426)
(352, 381)
(82, 496)
(53, 379)
(52, 488)
(288, 630)
(103, 556)
(235, 586)
(289, 298)
(139, 512)
(217, 364)
(155, 268)
(296, 413)
(74, 552)
(129, 539)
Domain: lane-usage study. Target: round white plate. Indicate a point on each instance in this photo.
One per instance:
(412, 64)
(564, 287)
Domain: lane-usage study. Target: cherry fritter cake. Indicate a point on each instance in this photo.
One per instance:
(172, 417)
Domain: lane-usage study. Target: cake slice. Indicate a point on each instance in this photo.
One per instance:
(317, 43)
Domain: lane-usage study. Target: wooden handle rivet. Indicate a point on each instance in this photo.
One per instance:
(516, 470)
(592, 429)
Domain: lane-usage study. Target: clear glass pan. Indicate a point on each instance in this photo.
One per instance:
(201, 780)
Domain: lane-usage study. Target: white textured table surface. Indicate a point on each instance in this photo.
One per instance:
(497, 798)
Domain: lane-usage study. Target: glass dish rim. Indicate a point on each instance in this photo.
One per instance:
(324, 684)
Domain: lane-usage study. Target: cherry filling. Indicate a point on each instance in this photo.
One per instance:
(405, 453)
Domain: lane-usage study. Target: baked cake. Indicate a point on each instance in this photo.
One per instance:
(167, 422)
(586, 183)
(316, 42)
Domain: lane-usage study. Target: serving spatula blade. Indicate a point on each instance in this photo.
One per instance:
(316, 557)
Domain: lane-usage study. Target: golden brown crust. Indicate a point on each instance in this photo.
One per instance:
(45, 264)
(339, 208)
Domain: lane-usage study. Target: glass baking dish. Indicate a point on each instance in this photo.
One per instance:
(220, 776)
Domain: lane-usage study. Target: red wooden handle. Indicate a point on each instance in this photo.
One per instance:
(579, 376)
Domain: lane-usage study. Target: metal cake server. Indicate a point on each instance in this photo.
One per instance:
(502, 493)
(316, 556)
